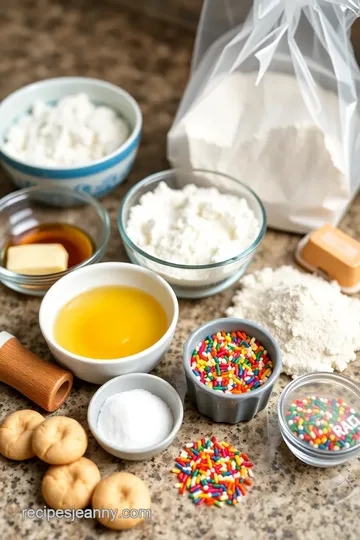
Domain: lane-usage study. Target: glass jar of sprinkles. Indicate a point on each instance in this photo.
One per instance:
(319, 417)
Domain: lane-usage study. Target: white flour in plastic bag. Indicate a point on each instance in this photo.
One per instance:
(265, 136)
(316, 326)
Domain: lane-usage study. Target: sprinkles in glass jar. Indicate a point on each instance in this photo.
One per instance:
(324, 423)
(231, 362)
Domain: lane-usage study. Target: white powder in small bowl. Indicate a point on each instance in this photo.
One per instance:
(73, 132)
(135, 419)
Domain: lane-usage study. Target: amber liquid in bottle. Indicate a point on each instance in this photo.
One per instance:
(76, 242)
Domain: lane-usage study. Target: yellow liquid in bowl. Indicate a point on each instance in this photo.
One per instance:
(110, 322)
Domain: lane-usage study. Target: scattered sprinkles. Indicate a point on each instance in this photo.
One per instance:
(231, 362)
(213, 473)
(325, 423)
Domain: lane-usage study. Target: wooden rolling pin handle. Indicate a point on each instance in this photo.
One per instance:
(47, 384)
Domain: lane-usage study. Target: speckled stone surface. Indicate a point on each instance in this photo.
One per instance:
(44, 38)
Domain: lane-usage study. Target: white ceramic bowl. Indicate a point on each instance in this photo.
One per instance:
(98, 177)
(156, 386)
(97, 275)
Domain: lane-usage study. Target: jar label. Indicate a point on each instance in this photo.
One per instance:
(346, 426)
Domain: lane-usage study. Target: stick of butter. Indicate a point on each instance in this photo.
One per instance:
(37, 259)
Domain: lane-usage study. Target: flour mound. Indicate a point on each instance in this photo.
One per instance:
(316, 326)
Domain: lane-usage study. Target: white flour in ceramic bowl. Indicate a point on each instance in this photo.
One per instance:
(71, 133)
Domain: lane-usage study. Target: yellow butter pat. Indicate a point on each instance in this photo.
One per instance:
(37, 259)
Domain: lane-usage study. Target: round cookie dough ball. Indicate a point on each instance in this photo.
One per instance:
(16, 433)
(121, 491)
(59, 440)
(65, 486)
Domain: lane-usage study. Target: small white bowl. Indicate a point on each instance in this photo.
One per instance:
(96, 178)
(156, 386)
(98, 275)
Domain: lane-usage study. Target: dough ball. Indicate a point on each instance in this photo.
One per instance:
(59, 440)
(121, 491)
(65, 486)
(16, 433)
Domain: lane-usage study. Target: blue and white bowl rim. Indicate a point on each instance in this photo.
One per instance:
(124, 151)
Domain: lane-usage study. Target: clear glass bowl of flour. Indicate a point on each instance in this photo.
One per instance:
(187, 280)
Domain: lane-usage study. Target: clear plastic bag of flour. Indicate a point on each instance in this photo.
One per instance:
(273, 102)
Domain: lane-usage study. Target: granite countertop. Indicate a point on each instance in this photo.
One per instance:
(47, 38)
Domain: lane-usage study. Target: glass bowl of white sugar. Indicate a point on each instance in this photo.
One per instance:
(198, 229)
(75, 132)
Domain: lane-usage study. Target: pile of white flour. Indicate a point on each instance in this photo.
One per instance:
(192, 225)
(316, 326)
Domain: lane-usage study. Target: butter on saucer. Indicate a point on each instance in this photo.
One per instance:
(37, 259)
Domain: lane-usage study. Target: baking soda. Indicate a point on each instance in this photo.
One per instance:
(135, 419)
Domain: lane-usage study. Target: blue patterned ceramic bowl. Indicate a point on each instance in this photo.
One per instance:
(97, 178)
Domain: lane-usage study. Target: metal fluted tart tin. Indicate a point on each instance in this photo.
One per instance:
(325, 386)
(227, 407)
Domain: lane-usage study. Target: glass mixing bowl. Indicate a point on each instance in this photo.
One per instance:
(193, 281)
(326, 386)
(27, 208)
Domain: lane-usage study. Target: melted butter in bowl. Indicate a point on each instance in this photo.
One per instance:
(109, 319)
(110, 322)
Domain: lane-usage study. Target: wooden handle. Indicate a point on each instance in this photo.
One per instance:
(47, 384)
